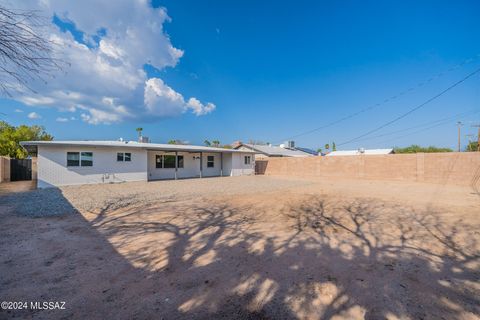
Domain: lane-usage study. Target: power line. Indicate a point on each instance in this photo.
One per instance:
(410, 90)
(415, 132)
(418, 131)
(421, 125)
(413, 109)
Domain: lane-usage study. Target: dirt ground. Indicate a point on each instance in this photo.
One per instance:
(246, 248)
(20, 186)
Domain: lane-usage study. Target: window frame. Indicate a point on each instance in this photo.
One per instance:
(180, 160)
(77, 160)
(83, 159)
(171, 163)
(159, 161)
(211, 163)
(83, 154)
(122, 157)
(249, 160)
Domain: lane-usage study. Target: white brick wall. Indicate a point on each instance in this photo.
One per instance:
(53, 170)
(239, 166)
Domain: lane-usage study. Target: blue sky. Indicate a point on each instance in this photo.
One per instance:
(276, 70)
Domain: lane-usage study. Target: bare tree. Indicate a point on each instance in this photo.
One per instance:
(26, 54)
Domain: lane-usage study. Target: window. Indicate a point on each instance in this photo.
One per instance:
(127, 156)
(248, 159)
(210, 161)
(76, 159)
(180, 161)
(158, 161)
(86, 159)
(73, 159)
(167, 161)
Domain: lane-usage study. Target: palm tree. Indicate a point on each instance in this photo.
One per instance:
(207, 143)
(327, 146)
(172, 141)
(334, 147)
(139, 131)
(216, 143)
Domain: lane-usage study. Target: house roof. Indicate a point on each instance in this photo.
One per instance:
(360, 152)
(307, 150)
(132, 144)
(275, 151)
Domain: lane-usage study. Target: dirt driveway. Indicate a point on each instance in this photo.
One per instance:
(243, 248)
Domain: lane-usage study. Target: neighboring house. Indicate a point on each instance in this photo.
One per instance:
(265, 151)
(84, 162)
(307, 150)
(360, 152)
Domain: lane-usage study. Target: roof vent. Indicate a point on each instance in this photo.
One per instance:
(290, 144)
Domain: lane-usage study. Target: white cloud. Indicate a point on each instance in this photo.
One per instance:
(105, 79)
(62, 119)
(34, 115)
(163, 101)
(198, 108)
(18, 110)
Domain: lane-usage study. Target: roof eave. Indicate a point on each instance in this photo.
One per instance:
(142, 146)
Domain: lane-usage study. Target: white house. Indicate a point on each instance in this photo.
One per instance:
(360, 151)
(266, 151)
(82, 162)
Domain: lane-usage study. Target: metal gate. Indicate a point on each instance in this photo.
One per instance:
(260, 166)
(20, 169)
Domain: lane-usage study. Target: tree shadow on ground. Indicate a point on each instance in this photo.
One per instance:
(334, 260)
(204, 259)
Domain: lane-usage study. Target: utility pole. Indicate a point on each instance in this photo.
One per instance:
(459, 125)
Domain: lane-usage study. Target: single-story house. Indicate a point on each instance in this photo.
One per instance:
(266, 151)
(360, 151)
(84, 162)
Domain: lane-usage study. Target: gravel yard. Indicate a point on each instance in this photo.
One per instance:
(244, 248)
(65, 200)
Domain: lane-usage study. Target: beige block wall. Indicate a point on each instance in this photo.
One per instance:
(459, 168)
(34, 168)
(4, 169)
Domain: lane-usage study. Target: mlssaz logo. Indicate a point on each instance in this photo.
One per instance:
(47, 305)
